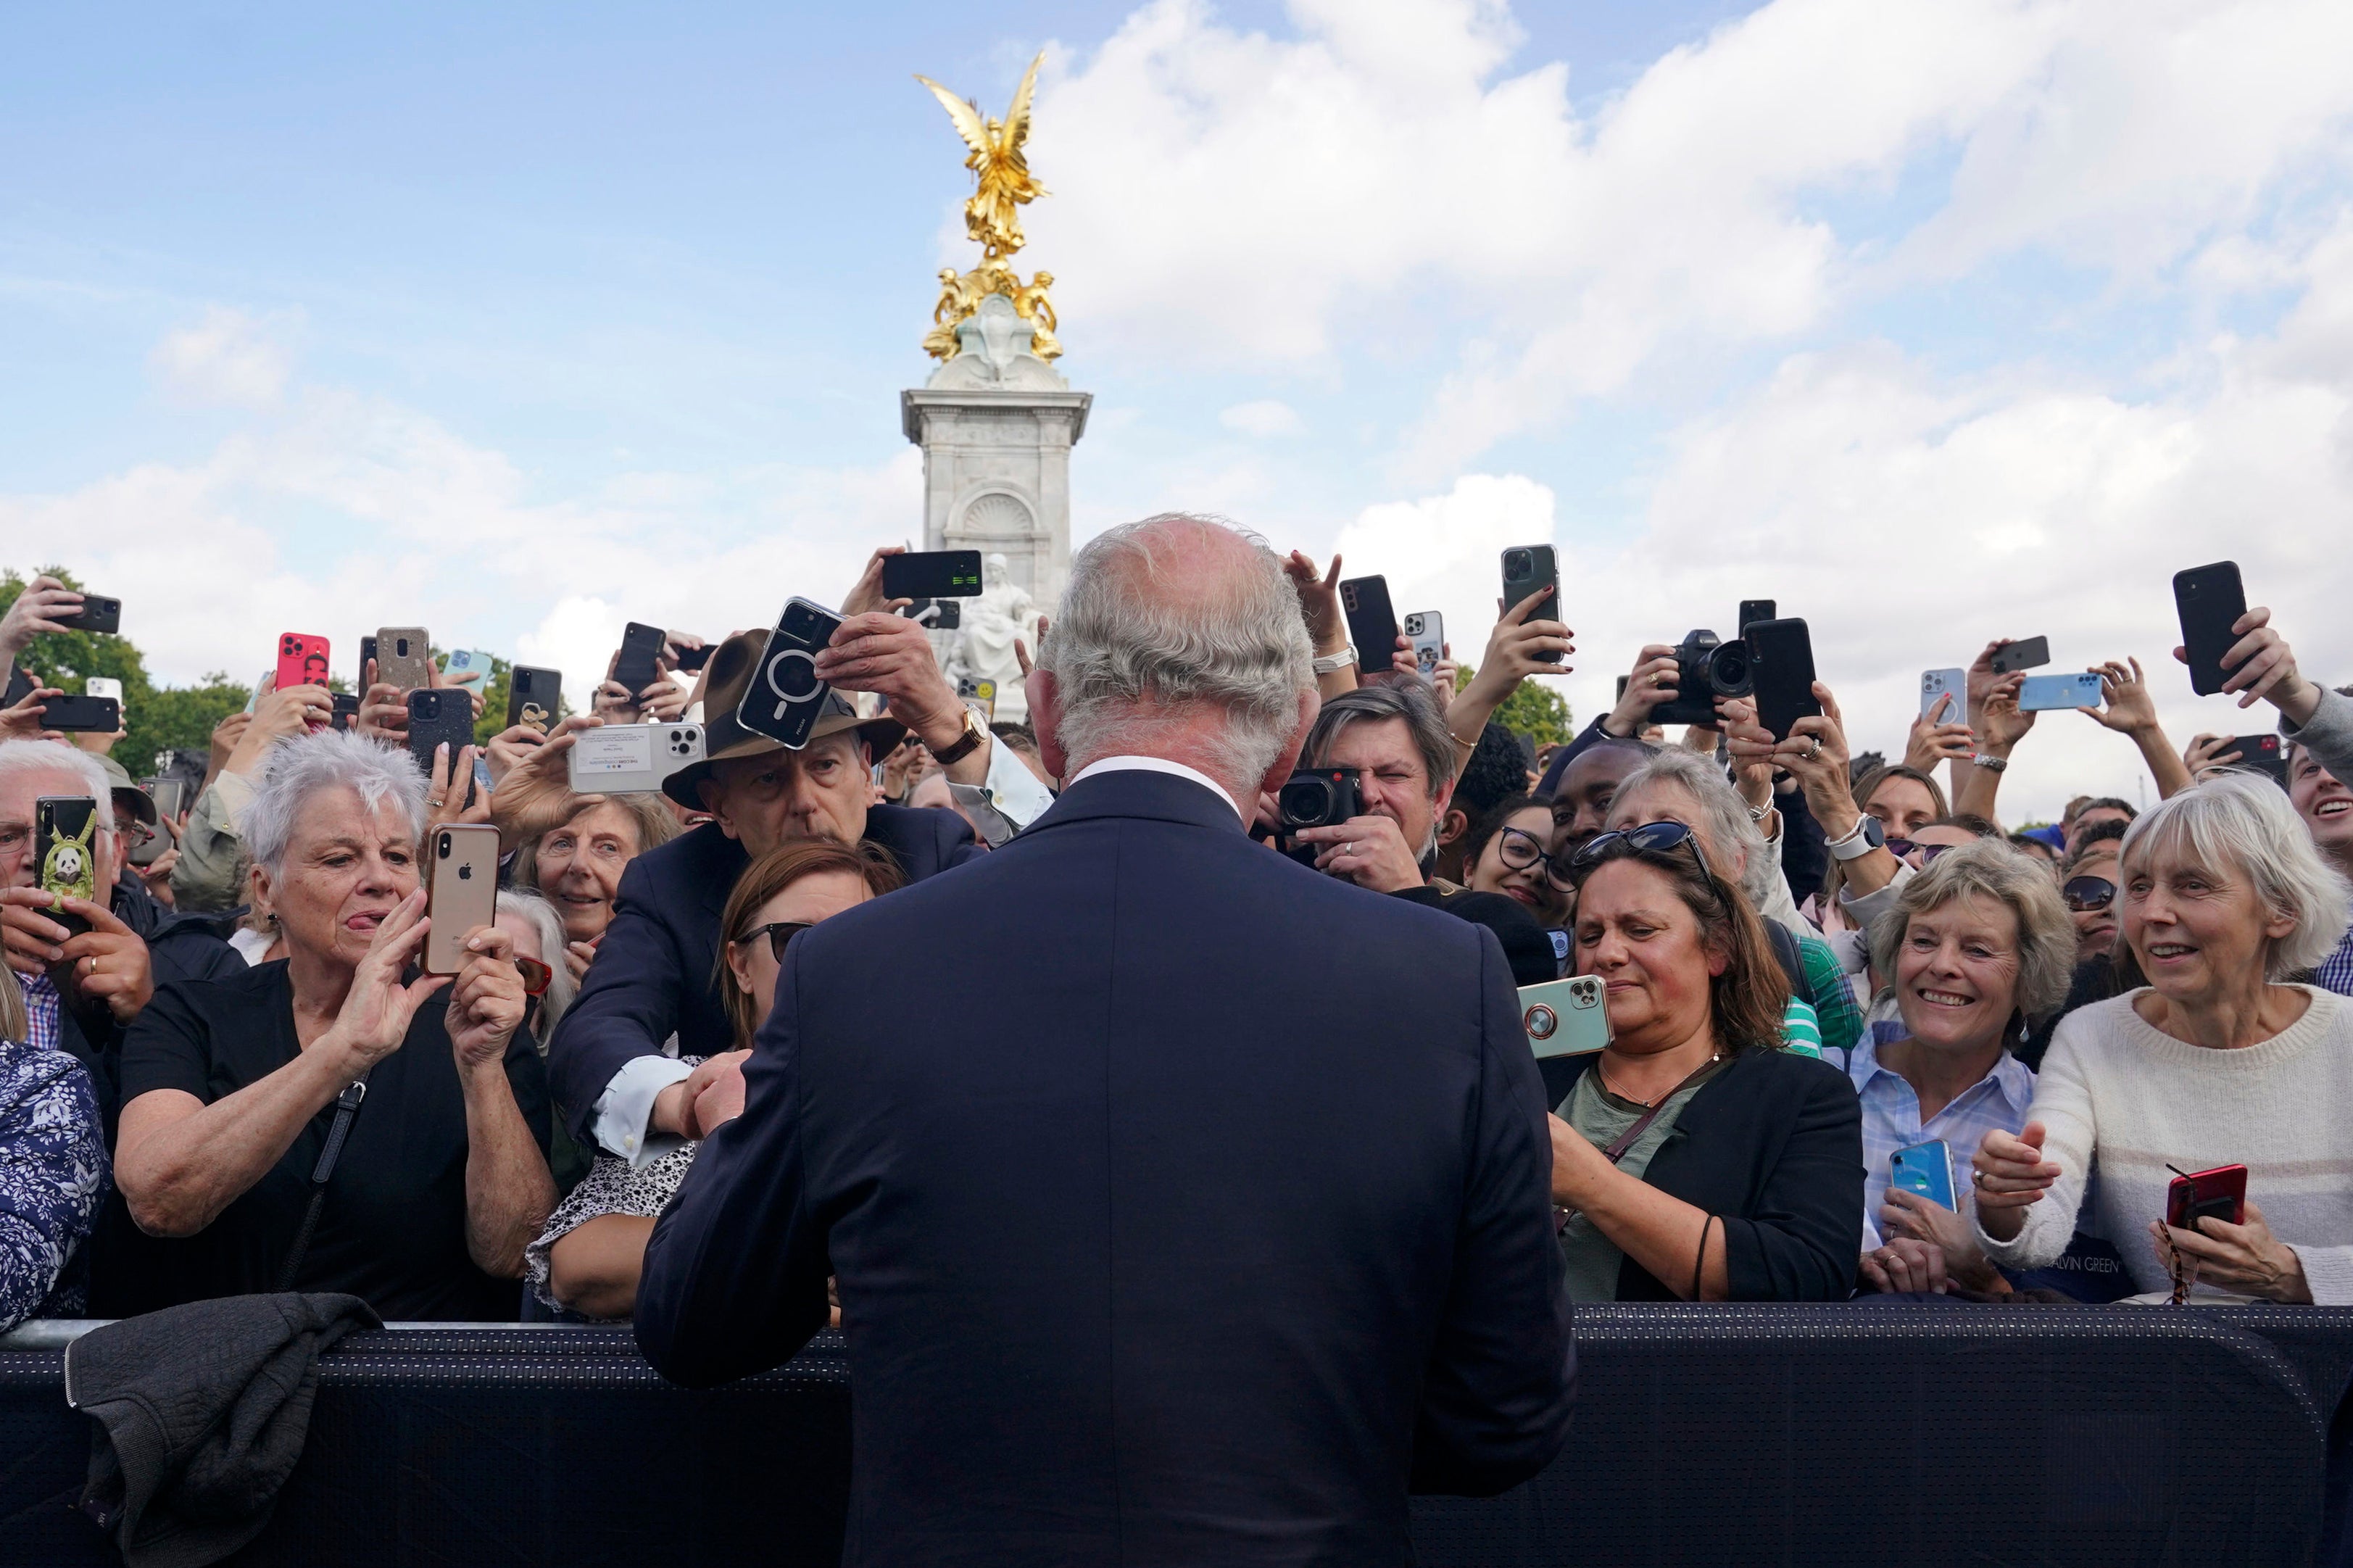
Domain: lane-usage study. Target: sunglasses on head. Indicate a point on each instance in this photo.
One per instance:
(1902, 849)
(1655, 838)
(2085, 895)
(780, 934)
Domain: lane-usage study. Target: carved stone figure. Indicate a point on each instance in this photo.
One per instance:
(993, 619)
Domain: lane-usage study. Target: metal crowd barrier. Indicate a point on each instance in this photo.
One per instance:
(1809, 1437)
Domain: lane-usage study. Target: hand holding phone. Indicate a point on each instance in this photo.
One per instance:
(301, 661)
(2210, 601)
(1533, 569)
(1372, 623)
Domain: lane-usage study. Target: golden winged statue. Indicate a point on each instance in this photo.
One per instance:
(993, 216)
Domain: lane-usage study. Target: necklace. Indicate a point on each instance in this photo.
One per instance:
(1646, 1104)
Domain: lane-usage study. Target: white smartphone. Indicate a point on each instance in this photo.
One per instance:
(1426, 629)
(1938, 683)
(102, 685)
(632, 759)
(1566, 1017)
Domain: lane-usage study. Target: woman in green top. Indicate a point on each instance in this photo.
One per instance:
(1695, 1158)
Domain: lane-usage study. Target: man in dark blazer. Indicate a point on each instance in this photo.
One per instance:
(1186, 1206)
(655, 969)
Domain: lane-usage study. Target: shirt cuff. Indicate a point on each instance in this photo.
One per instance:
(628, 1104)
(236, 792)
(1012, 789)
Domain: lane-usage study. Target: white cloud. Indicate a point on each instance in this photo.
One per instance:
(1266, 419)
(1445, 552)
(228, 358)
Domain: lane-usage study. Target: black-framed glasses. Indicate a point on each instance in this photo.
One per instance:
(1652, 838)
(2088, 894)
(1902, 849)
(780, 934)
(1518, 848)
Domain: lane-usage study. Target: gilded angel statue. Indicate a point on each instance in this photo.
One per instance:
(993, 216)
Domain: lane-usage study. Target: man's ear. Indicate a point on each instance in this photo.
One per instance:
(1046, 718)
(1311, 703)
(713, 796)
(1452, 824)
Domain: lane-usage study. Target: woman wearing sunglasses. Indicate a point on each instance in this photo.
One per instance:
(1695, 1158)
(588, 1259)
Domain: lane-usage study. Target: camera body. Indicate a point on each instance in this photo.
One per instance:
(786, 698)
(1706, 668)
(1317, 797)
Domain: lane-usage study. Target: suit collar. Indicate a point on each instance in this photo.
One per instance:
(1134, 791)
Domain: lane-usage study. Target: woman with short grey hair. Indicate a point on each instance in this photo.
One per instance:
(2218, 1062)
(436, 1169)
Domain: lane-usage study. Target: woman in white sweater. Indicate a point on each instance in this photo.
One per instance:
(2214, 1062)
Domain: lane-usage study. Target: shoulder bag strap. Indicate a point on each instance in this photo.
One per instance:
(347, 1107)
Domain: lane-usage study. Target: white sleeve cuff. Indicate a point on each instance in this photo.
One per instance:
(2327, 1273)
(628, 1104)
(1012, 788)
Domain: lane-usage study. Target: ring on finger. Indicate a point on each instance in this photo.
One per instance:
(1813, 747)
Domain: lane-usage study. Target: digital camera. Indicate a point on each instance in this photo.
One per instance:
(785, 698)
(1318, 797)
(1706, 668)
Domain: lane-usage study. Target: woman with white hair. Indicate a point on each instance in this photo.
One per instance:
(2216, 1061)
(1677, 785)
(436, 1110)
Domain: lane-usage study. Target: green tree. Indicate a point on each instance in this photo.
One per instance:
(1533, 708)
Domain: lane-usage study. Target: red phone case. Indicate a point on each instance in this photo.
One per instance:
(301, 661)
(2204, 1187)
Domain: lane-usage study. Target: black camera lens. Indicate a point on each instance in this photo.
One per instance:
(1303, 803)
(1519, 564)
(443, 845)
(1727, 671)
(799, 620)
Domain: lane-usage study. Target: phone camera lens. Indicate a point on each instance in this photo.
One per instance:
(1519, 562)
(445, 847)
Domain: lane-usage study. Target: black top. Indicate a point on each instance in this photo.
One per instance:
(1216, 1224)
(1772, 1146)
(392, 1232)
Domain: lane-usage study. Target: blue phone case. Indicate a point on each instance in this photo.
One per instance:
(2046, 692)
(1926, 1169)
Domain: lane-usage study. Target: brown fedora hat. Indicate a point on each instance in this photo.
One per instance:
(726, 675)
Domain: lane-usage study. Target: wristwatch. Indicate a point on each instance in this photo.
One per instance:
(1334, 663)
(1860, 840)
(1991, 765)
(956, 751)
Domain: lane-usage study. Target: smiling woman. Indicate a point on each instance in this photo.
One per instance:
(2216, 1062)
(440, 1105)
(576, 865)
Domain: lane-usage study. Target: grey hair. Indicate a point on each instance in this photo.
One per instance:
(1412, 700)
(56, 757)
(1990, 868)
(1728, 824)
(303, 766)
(560, 987)
(1132, 649)
(2241, 819)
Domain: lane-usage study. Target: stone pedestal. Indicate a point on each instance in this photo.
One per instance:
(996, 425)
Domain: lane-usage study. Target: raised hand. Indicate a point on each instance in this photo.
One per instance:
(379, 1007)
(2210, 754)
(110, 961)
(2261, 664)
(2130, 710)
(534, 786)
(22, 721)
(1937, 736)
(448, 786)
(487, 1004)
(1319, 602)
(41, 606)
(1651, 683)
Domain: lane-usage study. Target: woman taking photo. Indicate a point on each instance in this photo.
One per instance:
(1697, 1160)
(2215, 1061)
(1975, 943)
(588, 1259)
(231, 1087)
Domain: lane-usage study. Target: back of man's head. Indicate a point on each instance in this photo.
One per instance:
(1179, 638)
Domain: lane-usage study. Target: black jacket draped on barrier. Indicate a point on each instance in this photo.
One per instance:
(1187, 1205)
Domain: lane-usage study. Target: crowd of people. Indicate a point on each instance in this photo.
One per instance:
(230, 1073)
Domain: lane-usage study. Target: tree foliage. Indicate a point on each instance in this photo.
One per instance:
(1533, 708)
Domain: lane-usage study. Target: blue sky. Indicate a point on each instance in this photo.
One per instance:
(1934, 322)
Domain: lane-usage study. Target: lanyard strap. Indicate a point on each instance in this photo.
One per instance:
(347, 1107)
(1625, 1141)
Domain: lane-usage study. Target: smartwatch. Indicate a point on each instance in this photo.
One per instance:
(1863, 838)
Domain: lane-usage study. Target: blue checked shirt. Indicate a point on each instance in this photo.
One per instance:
(1890, 1119)
(2335, 971)
(41, 1007)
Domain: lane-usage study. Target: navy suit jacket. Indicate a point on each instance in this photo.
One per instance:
(656, 972)
(1187, 1207)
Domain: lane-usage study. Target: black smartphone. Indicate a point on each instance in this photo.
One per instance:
(1528, 568)
(2264, 754)
(98, 715)
(786, 698)
(367, 655)
(1372, 623)
(169, 794)
(347, 710)
(2211, 600)
(98, 614)
(534, 695)
(439, 715)
(640, 664)
(2030, 653)
(1782, 664)
(694, 658)
(20, 685)
(64, 857)
(932, 574)
(1753, 611)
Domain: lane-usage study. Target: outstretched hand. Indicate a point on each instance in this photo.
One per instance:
(378, 1008)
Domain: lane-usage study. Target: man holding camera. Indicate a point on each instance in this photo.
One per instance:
(655, 972)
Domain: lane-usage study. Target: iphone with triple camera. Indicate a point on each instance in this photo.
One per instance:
(630, 758)
(1532, 569)
(464, 860)
(301, 661)
(785, 699)
(1426, 630)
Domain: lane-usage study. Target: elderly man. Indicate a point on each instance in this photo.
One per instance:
(1216, 1220)
(82, 990)
(655, 976)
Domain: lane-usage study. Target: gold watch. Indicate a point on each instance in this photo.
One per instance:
(956, 751)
